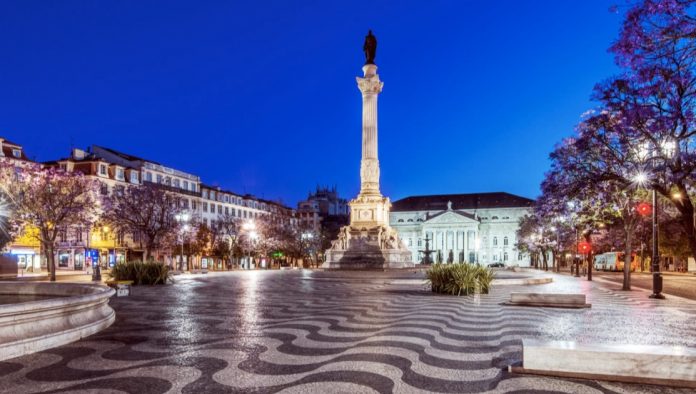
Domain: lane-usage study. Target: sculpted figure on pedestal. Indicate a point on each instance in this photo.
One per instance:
(370, 48)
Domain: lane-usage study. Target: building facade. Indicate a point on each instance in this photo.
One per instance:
(77, 248)
(320, 206)
(474, 228)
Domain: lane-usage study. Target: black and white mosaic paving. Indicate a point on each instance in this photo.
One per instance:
(355, 332)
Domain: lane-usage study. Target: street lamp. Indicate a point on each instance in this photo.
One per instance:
(250, 228)
(641, 179)
(182, 217)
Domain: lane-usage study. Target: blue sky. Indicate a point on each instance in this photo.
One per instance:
(260, 96)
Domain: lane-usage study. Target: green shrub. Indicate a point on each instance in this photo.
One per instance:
(148, 273)
(459, 279)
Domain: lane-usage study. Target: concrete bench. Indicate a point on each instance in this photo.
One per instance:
(557, 300)
(644, 364)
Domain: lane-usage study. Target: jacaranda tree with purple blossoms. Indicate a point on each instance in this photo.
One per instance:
(644, 127)
(653, 103)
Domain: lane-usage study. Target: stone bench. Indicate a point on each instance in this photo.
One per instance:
(556, 300)
(643, 364)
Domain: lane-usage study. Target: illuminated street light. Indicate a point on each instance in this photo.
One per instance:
(640, 178)
(182, 217)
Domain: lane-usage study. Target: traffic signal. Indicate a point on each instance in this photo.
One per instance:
(584, 247)
(644, 209)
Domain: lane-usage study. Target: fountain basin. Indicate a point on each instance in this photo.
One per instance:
(45, 315)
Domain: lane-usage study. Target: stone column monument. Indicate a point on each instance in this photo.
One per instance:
(368, 242)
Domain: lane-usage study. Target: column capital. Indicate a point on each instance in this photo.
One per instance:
(370, 85)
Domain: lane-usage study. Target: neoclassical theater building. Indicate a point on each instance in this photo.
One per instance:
(476, 228)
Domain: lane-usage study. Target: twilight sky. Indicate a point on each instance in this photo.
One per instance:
(260, 96)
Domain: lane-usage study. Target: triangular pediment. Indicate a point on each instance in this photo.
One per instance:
(451, 217)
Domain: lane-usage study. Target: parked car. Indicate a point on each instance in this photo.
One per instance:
(496, 265)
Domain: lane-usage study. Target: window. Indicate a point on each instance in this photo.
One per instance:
(134, 177)
(410, 242)
(185, 185)
(519, 256)
(505, 241)
(78, 234)
(120, 174)
(205, 207)
(495, 241)
(400, 220)
(168, 181)
(239, 213)
(193, 187)
(220, 209)
(102, 169)
(204, 193)
(16, 153)
(160, 179)
(194, 205)
(148, 176)
(227, 211)
(212, 195)
(176, 183)
(104, 190)
(505, 256)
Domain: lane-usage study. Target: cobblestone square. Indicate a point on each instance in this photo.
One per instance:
(304, 331)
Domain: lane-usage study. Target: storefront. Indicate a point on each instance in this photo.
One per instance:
(71, 259)
(110, 257)
(28, 259)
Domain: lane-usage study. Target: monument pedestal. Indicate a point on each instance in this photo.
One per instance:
(368, 242)
(362, 248)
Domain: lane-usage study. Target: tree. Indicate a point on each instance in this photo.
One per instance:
(9, 227)
(144, 209)
(51, 200)
(654, 100)
(223, 237)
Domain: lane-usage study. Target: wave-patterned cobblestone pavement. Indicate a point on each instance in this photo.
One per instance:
(301, 331)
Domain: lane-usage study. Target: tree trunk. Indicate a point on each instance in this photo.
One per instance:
(50, 263)
(627, 259)
(545, 260)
